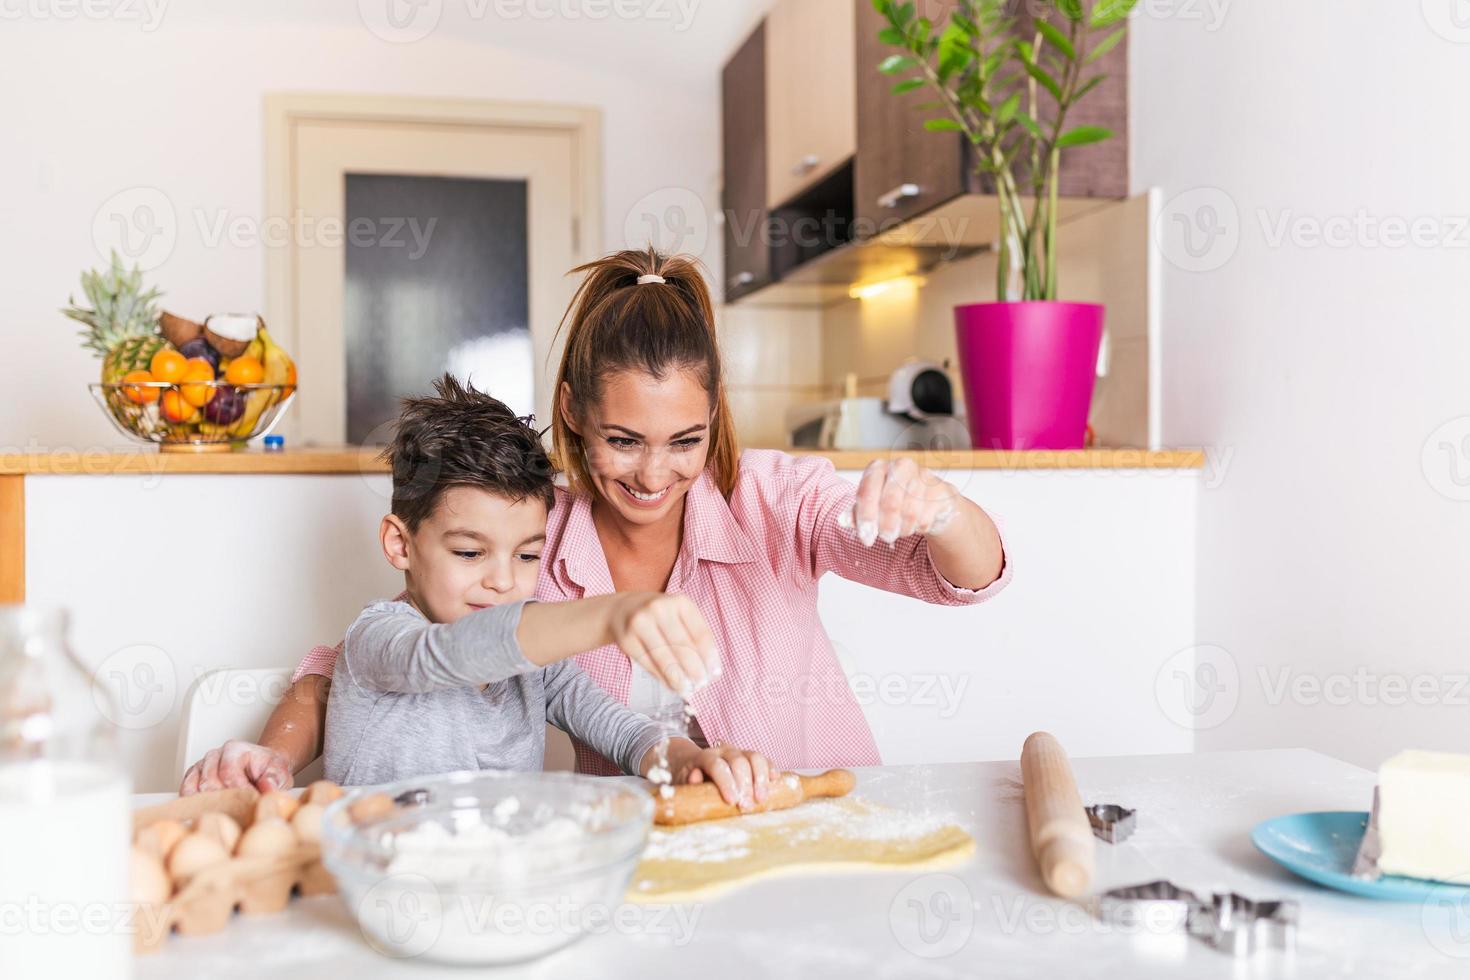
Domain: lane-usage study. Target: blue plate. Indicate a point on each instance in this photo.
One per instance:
(1321, 847)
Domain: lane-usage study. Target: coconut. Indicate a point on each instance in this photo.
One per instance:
(231, 333)
(177, 330)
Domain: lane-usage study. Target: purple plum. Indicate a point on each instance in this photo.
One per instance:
(226, 407)
(199, 347)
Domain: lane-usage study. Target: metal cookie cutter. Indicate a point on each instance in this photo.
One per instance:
(1240, 926)
(1158, 905)
(1111, 822)
(1229, 922)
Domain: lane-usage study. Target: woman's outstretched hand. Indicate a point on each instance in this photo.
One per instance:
(898, 497)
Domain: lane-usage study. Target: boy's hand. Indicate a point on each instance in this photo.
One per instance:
(667, 636)
(743, 778)
(238, 763)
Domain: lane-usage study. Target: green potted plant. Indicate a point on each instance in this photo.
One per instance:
(1027, 361)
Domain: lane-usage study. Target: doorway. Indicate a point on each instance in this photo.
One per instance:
(429, 235)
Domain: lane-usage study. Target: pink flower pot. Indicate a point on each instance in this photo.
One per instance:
(1028, 371)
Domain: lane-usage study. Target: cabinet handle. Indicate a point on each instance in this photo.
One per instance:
(806, 165)
(744, 279)
(900, 193)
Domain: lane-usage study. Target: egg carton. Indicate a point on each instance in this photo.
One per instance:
(245, 850)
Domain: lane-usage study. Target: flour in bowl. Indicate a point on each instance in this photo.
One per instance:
(475, 850)
(496, 885)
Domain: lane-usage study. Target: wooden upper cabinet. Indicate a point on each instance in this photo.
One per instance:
(744, 198)
(902, 170)
(810, 88)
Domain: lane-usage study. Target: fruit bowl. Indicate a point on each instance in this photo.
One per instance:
(193, 416)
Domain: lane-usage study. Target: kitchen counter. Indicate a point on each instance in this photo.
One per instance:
(988, 917)
(356, 459)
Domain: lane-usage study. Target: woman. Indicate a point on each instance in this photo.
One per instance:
(659, 497)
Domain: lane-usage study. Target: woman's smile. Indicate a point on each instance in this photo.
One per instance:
(644, 498)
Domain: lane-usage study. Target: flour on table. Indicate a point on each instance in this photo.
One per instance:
(712, 840)
(700, 860)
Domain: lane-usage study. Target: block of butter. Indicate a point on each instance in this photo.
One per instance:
(1424, 815)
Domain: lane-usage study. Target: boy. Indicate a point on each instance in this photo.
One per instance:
(464, 672)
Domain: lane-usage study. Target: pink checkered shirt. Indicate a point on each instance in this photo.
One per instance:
(751, 565)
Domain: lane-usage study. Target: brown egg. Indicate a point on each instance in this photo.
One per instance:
(149, 882)
(159, 838)
(272, 837)
(370, 807)
(323, 791)
(193, 854)
(220, 825)
(275, 804)
(308, 823)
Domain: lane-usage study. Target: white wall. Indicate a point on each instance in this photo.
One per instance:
(1334, 549)
(94, 108)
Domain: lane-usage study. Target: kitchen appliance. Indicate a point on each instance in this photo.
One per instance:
(918, 414)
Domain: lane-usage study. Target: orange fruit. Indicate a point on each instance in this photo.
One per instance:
(245, 370)
(197, 370)
(290, 379)
(176, 409)
(168, 365)
(140, 395)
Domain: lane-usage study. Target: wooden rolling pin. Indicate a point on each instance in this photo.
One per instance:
(1061, 837)
(690, 804)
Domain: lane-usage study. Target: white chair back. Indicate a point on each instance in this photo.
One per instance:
(232, 702)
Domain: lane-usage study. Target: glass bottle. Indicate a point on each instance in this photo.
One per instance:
(65, 814)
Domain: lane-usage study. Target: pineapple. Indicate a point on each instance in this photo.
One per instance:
(133, 354)
(122, 323)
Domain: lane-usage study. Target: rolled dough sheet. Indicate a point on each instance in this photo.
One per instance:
(702, 860)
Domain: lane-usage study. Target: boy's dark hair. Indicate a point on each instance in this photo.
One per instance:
(460, 437)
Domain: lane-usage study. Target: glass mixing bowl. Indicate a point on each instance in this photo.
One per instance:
(486, 867)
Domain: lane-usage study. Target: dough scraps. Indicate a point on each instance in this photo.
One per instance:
(702, 860)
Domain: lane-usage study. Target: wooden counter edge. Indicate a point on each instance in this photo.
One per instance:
(148, 461)
(12, 538)
(1027, 459)
(350, 460)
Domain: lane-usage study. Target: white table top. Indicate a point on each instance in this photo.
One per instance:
(988, 917)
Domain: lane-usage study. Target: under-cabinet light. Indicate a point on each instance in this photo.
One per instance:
(870, 289)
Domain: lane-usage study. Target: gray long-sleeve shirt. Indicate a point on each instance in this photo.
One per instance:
(412, 698)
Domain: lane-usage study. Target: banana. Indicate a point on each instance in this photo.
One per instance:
(277, 363)
(278, 368)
